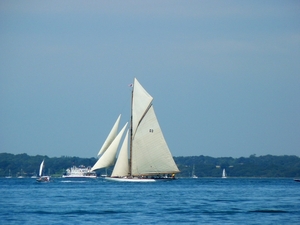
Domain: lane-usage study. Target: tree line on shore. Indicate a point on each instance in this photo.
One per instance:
(201, 166)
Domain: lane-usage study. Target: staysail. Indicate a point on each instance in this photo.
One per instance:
(108, 157)
(121, 168)
(111, 136)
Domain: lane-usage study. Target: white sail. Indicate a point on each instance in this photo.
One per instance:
(140, 103)
(150, 152)
(121, 168)
(108, 157)
(41, 168)
(193, 172)
(111, 136)
(223, 174)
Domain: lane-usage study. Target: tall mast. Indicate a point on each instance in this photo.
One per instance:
(130, 142)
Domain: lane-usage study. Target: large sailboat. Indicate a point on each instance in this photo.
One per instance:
(149, 157)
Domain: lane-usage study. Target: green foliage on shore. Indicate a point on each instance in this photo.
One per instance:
(253, 166)
(27, 166)
(205, 166)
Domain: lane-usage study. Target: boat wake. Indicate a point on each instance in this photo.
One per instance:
(73, 181)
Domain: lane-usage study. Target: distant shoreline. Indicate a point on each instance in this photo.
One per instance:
(267, 166)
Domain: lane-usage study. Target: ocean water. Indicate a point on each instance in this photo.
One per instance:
(183, 201)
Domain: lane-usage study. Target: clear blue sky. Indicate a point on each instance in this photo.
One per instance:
(225, 75)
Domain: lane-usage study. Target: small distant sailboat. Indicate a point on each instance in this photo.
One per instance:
(21, 174)
(34, 176)
(224, 174)
(105, 174)
(42, 178)
(9, 174)
(193, 173)
(149, 157)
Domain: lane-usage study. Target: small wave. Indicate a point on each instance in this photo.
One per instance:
(73, 181)
(78, 212)
(41, 212)
(221, 212)
(84, 212)
(268, 211)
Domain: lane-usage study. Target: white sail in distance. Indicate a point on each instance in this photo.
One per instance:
(41, 169)
(224, 174)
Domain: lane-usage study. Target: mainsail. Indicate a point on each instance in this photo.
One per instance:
(150, 152)
(42, 178)
(224, 174)
(41, 169)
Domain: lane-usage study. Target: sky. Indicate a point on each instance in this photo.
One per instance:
(224, 75)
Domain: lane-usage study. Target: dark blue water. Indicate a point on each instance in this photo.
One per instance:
(184, 201)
